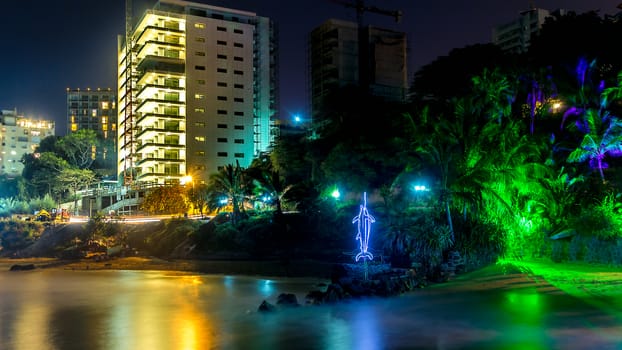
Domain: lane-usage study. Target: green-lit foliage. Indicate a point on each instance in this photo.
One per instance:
(600, 220)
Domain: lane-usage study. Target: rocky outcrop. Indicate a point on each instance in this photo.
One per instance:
(383, 282)
(355, 281)
(284, 300)
(24, 267)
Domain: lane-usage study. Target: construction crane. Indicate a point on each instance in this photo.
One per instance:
(361, 8)
(363, 36)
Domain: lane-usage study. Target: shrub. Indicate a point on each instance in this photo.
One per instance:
(16, 235)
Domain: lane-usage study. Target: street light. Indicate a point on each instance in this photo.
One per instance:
(336, 194)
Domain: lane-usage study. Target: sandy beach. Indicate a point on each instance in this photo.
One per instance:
(234, 267)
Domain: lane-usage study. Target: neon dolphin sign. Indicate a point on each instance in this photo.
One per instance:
(363, 227)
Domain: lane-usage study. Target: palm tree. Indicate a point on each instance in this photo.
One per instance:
(271, 182)
(226, 184)
(439, 150)
(603, 137)
(493, 94)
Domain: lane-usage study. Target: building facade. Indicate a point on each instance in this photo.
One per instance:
(334, 61)
(197, 92)
(19, 136)
(515, 36)
(96, 110)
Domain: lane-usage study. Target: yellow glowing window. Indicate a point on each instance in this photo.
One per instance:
(73, 118)
(113, 127)
(104, 120)
(93, 152)
(104, 127)
(199, 138)
(199, 110)
(105, 105)
(94, 113)
(199, 96)
(199, 25)
(74, 127)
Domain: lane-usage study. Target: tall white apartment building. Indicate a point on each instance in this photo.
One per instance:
(515, 36)
(197, 92)
(18, 136)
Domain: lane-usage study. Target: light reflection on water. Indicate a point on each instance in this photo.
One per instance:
(47, 309)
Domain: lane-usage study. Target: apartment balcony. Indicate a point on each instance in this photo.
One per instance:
(153, 117)
(149, 104)
(150, 90)
(152, 76)
(149, 146)
(162, 64)
(152, 132)
(151, 176)
(151, 161)
(151, 31)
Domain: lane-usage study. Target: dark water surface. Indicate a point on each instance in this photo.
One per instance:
(46, 309)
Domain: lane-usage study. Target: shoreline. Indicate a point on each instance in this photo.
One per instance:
(268, 268)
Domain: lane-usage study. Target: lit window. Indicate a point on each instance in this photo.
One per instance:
(199, 96)
(200, 153)
(199, 110)
(199, 25)
(94, 113)
(105, 105)
(199, 124)
(199, 138)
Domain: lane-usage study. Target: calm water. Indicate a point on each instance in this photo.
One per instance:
(46, 309)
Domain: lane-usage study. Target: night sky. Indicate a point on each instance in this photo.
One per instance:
(48, 46)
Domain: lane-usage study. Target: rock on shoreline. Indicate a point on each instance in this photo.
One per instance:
(348, 281)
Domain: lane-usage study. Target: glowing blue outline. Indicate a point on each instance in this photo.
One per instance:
(363, 227)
